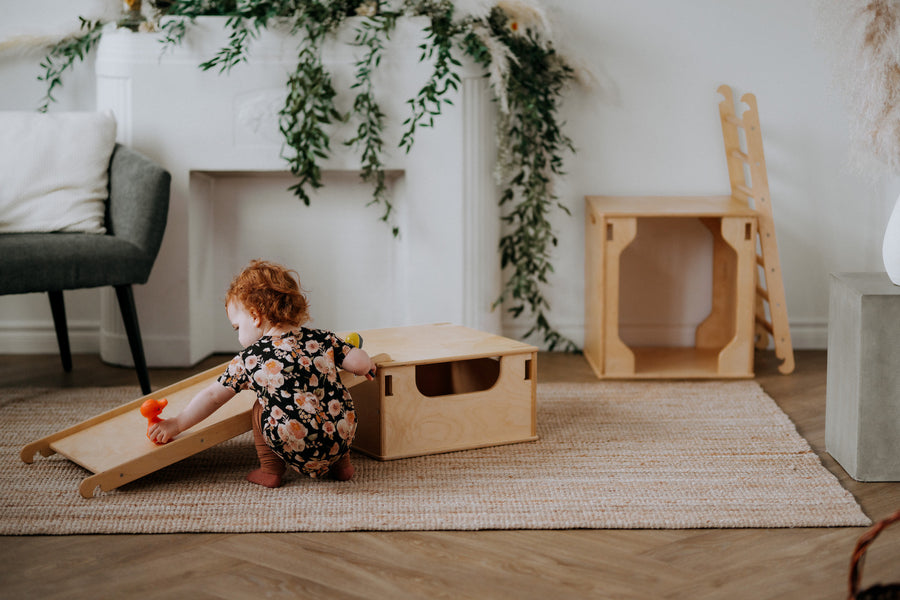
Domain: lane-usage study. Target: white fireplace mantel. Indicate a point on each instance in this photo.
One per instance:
(206, 128)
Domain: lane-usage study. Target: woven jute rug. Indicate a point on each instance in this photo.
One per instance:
(610, 455)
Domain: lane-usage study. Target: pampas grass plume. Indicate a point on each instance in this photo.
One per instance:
(864, 39)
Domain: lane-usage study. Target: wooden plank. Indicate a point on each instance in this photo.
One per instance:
(594, 286)
(43, 445)
(736, 358)
(123, 438)
(440, 342)
(652, 362)
(669, 206)
(198, 438)
(619, 359)
(718, 328)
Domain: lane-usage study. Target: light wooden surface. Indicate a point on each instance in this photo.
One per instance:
(594, 299)
(114, 445)
(617, 234)
(668, 206)
(734, 279)
(704, 564)
(445, 388)
(439, 342)
(407, 423)
(117, 440)
(611, 226)
(754, 191)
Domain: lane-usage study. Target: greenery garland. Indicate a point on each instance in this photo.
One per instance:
(528, 78)
(63, 55)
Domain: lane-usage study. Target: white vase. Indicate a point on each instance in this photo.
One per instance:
(890, 249)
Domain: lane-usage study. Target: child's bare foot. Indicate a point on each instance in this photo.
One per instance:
(343, 469)
(260, 477)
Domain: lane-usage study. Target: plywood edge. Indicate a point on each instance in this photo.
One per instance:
(669, 206)
(456, 358)
(438, 342)
(444, 450)
(595, 365)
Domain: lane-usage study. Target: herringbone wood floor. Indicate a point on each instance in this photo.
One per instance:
(697, 564)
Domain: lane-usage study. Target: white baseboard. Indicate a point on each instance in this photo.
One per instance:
(809, 334)
(39, 337)
(159, 351)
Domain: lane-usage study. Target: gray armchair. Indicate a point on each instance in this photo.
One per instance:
(136, 213)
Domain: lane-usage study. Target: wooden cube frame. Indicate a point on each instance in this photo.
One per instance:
(724, 341)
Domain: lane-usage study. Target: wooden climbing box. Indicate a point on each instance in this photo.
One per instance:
(748, 298)
(444, 388)
(723, 341)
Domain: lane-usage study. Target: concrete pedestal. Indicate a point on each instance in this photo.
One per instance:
(862, 408)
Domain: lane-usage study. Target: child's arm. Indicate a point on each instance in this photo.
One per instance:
(358, 362)
(205, 403)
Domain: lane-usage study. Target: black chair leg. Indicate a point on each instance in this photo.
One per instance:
(58, 308)
(129, 316)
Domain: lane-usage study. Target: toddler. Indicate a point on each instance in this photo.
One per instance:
(304, 416)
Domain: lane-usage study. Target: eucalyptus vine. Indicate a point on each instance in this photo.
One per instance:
(527, 76)
(63, 55)
(371, 34)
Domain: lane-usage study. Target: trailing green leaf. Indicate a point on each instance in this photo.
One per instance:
(371, 34)
(534, 144)
(63, 55)
(308, 111)
(236, 50)
(438, 48)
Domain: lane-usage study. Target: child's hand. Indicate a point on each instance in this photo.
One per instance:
(359, 362)
(163, 431)
(370, 373)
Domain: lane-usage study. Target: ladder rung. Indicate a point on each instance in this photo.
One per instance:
(760, 260)
(763, 293)
(744, 190)
(766, 325)
(734, 120)
(740, 156)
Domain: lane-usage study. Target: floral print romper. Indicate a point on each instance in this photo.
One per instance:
(307, 414)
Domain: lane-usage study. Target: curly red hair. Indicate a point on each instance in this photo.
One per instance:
(270, 291)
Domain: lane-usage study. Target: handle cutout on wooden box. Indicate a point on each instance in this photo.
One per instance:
(457, 377)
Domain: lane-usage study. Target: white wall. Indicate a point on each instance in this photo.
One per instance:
(647, 125)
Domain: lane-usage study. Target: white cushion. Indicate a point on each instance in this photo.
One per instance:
(54, 170)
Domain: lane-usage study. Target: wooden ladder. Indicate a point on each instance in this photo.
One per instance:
(755, 192)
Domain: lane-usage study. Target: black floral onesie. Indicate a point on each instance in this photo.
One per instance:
(307, 417)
